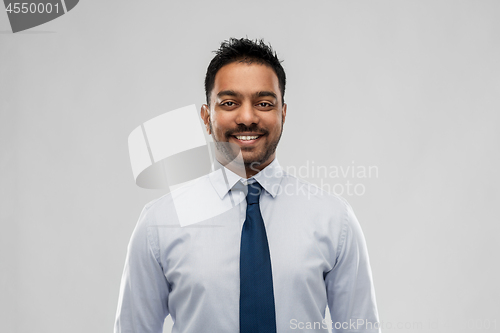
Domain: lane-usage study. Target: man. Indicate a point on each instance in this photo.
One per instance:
(273, 261)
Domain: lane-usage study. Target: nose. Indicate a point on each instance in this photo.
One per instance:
(247, 115)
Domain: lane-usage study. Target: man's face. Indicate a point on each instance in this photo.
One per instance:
(245, 103)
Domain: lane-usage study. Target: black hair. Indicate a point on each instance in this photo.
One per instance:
(247, 51)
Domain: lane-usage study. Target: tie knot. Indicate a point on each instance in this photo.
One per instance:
(253, 194)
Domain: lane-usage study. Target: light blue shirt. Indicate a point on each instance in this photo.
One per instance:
(190, 269)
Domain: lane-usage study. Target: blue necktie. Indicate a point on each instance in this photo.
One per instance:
(257, 312)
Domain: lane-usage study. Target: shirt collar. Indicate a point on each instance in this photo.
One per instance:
(224, 179)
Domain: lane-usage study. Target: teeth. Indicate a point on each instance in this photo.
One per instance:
(246, 137)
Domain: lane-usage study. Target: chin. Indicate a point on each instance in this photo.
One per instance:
(253, 161)
(251, 158)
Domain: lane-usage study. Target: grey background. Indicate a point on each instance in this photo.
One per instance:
(408, 86)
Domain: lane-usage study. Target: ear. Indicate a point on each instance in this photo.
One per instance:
(205, 115)
(283, 113)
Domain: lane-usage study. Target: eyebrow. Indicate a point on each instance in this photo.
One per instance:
(257, 94)
(266, 94)
(228, 93)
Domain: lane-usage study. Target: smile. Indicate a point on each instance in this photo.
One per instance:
(246, 137)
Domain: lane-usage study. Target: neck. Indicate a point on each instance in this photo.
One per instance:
(246, 170)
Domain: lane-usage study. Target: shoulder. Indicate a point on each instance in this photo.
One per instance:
(323, 206)
(185, 199)
(155, 207)
(308, 192)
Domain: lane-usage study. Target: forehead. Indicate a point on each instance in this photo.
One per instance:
(246, 78)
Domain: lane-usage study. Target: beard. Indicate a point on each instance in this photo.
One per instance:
(231, 151)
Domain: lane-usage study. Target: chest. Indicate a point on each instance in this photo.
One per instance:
(206, 257)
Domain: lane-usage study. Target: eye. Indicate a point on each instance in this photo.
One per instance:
(228, 103)
(265, 104)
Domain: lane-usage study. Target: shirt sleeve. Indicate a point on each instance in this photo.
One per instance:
(350, 292)
(143, 300)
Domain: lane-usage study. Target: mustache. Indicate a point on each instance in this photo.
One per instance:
(244, 128)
